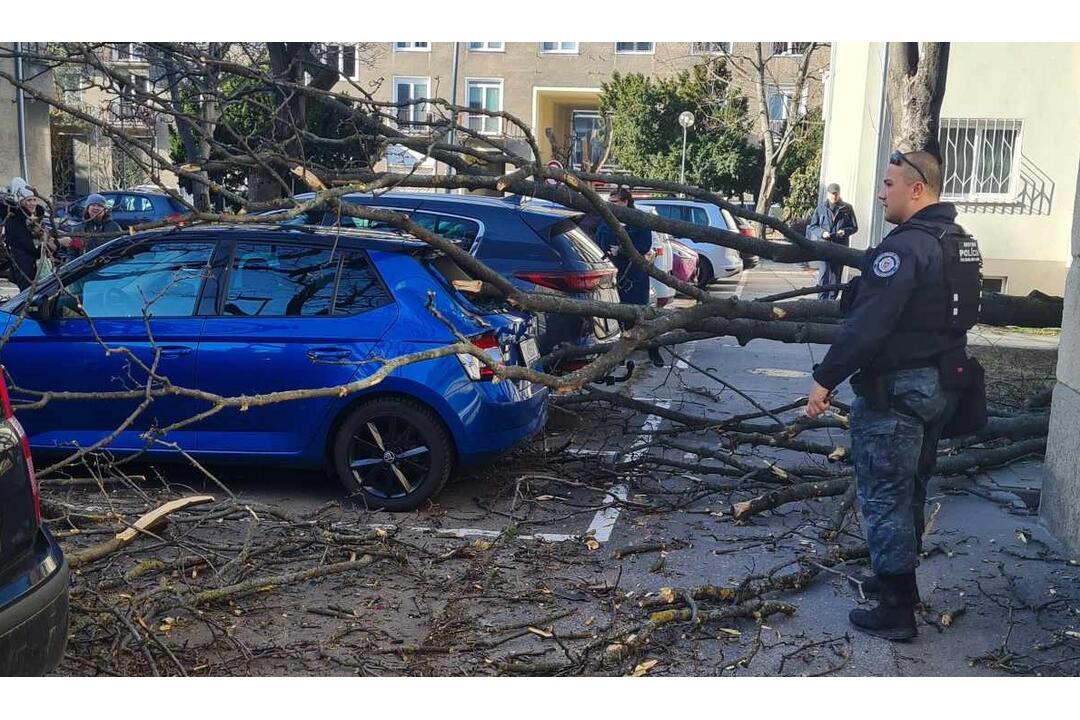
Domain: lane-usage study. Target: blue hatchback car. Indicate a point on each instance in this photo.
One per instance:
(253, 310)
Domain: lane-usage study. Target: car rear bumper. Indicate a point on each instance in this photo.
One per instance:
(33, 627)
(498, 424)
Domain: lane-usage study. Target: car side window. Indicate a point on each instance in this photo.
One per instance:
(144, 204)
(126, 203)
(276, 280)
(667, 211)
(698, 215)
(163, 279)
(359, 288)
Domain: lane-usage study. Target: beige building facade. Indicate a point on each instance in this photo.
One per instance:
(1010, 142)
(38, 160)
(554, 87)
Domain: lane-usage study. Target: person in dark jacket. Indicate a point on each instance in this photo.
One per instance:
(97, 226)
(23, 233)
(832, 221)
(633, 281)
(895, 334)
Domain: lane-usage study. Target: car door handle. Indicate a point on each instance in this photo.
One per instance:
(329, 353)
(174, 351)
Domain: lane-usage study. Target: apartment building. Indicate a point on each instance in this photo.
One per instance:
(26, 155)
(552, 87)
(85, 158)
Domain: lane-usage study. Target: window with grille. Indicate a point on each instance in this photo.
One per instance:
(635, 47)
(980, 158)
(486, 47)
(710, 48)
(411, 88)
(484, 95)
(559, 47)
(412, 46)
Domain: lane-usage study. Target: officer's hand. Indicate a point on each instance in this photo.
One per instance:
(840, 233)
(826, 235)
(818, 402)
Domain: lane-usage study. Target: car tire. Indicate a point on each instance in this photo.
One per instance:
(366, 461)
(705, 274)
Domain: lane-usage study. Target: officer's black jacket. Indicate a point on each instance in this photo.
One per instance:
(907, 262)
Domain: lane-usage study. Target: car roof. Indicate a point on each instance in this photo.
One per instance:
(495, 204)
(383, 240)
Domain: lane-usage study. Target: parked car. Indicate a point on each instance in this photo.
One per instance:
(252, 310)
(715, 261)
(684, 262)
(664, 260)
(537, 248)
(33, 572)
(130, 207)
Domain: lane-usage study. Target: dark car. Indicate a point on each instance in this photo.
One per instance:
(539, 249)
(253, 310)
(132, 207)
(33, 572)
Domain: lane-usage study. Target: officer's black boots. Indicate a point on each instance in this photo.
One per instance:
(870, 584)
(656, 357)
(894, 617)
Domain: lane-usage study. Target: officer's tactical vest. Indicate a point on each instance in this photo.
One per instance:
(954, 305)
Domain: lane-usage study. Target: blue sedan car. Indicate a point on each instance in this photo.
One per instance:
(245, 311)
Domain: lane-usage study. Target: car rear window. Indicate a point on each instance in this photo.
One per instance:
(580, 242)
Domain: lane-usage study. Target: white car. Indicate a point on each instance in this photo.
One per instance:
(714, 261)
(661, 244)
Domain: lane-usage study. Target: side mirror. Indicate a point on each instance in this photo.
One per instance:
(42, 308)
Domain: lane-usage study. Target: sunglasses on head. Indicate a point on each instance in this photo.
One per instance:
(898, 158)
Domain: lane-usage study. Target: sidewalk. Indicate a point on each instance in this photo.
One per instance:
(987, 552)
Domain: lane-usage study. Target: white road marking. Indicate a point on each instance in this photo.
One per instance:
(742, 283)
(604, 521)
(477, 532)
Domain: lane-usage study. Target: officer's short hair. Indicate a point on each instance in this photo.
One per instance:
(930, 166)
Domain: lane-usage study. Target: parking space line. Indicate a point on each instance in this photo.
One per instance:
(603, 523)
(478, 532)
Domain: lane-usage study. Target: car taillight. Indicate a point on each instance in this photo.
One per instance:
(175, 218)
(24, 442)
(584, 281)
(747, 231)
(475, 369)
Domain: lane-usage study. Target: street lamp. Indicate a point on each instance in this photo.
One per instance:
(686, 119)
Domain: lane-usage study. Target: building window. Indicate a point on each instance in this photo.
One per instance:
(486, 47)
(635, 48)
(484, 95)
(587, 138)
(780, 100)
(789, 48)
(412, 88)
(412, 47)
(995, 284)
(710, 48)
(559, 47)
(980, 159)
(126, 52)
(342, 57)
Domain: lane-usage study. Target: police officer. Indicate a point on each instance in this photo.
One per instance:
(913, 304)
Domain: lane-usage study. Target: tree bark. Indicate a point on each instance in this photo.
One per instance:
(915, 88)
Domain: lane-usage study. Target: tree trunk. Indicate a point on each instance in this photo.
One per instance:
(915, 88)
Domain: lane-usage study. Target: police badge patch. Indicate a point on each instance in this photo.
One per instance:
(886, 264)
